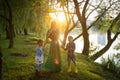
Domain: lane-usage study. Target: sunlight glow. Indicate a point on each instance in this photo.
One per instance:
(58, 16)
(61, 39)
(61, 17)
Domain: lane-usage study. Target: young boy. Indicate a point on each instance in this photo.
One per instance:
(70, 47)
(39, 57)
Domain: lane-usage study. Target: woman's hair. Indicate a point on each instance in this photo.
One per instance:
(40, 42)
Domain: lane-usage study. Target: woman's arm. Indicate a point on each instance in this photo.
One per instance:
(49, 32)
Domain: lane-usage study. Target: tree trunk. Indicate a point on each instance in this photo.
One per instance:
(64, 40)
(16, 31)
(14, 34)
(6, 23)
(20, 31)
(65, 36)
(25, 31)
(110, 40)
(10, 25)
(66, 30)
(7, 33)
(102, 51)
(86, 39)
(82, 19)
(10, 29)
(11, 41)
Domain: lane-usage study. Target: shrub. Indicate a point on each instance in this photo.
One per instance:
(112, 64)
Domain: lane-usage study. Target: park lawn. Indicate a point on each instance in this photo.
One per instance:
(19, 63)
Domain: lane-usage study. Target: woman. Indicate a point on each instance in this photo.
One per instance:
(53, 62)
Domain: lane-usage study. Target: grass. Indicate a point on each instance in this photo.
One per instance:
(23, 68)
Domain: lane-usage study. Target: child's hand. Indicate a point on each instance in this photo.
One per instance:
(39, 61)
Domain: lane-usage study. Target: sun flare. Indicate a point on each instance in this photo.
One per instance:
(58, 16)
(61, 17)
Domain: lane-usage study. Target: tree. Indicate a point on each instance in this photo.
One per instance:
(10, 23)
(84, 9)
(41, 17)
(70, 23)
(82, 19)
(110, 39)
(22, 15)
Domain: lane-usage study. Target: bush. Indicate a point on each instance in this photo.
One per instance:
(93, 48)
(112, 64)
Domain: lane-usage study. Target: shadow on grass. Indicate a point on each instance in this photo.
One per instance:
(45, 76)
(19, 54)
(55, 76)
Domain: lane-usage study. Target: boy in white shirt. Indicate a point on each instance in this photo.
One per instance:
(39, 57)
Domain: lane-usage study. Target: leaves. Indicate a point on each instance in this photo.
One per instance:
(30, 14)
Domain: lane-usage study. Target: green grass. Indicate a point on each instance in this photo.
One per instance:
(23, 68)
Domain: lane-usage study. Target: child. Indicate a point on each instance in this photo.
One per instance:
(39, 57)
(70, 54)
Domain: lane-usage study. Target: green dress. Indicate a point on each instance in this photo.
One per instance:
(53, 62)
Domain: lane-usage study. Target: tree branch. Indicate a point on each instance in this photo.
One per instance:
(92, 23)
(110, 28)
(77, 10)
(105, 10)
(110, 40)
(116, 35)
(94, 9)
(85, 6)
(74, 25)
(81, 2)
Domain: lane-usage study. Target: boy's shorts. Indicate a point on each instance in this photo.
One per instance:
(69, 58)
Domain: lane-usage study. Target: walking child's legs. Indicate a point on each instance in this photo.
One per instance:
(76, 71)
(38, 69)
(69, 67)
(68, 63)
(74, 61)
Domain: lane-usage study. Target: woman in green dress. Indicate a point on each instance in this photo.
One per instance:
(53, 62)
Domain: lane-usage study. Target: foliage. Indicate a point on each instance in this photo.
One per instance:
(112, 64)
(105, 20)
(102, 25)
(116, 28)
(93, 48)
(117, 47)
(30, 14)
(40, 9)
